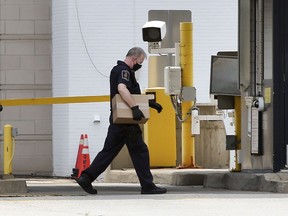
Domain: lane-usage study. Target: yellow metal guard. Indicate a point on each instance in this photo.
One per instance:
(159, 131)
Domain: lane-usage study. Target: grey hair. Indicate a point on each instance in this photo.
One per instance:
(137, 52)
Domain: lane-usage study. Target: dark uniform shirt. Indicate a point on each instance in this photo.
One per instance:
(122, 73)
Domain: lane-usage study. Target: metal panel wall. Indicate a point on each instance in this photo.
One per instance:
(267, 160)
(280, 90)
(244, 69)
(247, 39)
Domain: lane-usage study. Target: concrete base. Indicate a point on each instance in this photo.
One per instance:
(270, 182)
(222, 179)
(13, 186)
(178, 177)
(6, 176)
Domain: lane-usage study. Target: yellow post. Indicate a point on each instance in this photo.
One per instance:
(8, 150)
(186, 64)
(237, 100)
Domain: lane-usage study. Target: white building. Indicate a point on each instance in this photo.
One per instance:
(88, 37)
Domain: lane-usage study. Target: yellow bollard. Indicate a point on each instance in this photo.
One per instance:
(8, 149)
(186, 63)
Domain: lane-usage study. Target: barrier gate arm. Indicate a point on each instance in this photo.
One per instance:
(53, 100)
(8, 130)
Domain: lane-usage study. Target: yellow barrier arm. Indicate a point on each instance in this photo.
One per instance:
(53, 100)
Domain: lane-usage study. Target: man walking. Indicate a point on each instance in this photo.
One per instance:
(123, 82)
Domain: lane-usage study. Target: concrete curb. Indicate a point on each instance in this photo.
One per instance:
(177, 177)
(13, 186)
(222, 179)
(269, 182)
(186, 178)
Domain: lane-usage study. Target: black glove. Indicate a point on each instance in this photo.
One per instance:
(137, 113)
(155, 105)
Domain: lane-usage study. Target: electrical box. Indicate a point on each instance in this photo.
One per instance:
(195, 127)
(189, 93)
(14, 132)
(231, 142)
(172, 80)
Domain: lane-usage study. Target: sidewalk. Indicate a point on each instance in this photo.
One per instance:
(208, 178)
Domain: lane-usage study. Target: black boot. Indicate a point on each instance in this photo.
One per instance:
(86, 184)
(154, 190)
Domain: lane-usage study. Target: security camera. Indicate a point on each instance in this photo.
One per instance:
(154, 31)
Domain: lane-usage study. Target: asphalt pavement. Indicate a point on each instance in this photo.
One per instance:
(63, 197)
(205, 178)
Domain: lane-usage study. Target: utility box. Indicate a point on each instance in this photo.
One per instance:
(160, 131)
(172, 80)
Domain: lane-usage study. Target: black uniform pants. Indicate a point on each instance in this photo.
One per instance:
(118, 135)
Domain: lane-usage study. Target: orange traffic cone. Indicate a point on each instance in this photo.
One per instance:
(75, 171)
(85, 155)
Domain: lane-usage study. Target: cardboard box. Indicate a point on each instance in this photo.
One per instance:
(122, 113)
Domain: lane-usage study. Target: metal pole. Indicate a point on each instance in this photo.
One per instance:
(186, 54)
(237, 100)
(8, 150)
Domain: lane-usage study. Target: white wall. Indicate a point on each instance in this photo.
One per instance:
(109, 29)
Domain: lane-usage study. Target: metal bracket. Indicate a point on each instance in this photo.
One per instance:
(14, 132)
(163, 51)
(195, 127)
(209, 117)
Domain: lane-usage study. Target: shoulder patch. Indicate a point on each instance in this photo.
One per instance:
(125, 74)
